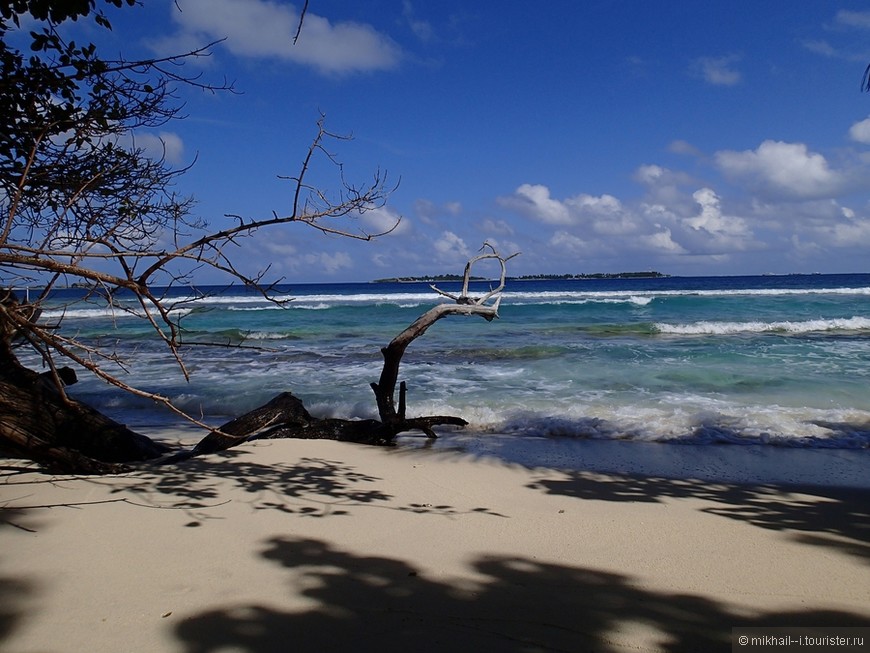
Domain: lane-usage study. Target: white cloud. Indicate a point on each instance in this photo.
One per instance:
(662, 242)
(649, 174)
(450, 247)
(329, 263)
(860, 131)
(166, 145)
(279, 249)
(711, 231)
(821, 47)
(665, 187)
(788, 200)
(264, 29)
(711, 219)
(591, 206)
(383, 219)
(859, 19)
(657, 178)
(498, 227)
(573, 245)
(684, 147)
(453, 208)
(854, 233)
(718, 71)
(788, 170)
(534, 201)
(834, 226)
(601, 213)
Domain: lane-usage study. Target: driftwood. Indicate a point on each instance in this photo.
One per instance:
(394, 418)
(286, 417)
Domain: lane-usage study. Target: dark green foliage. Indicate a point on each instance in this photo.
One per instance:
(62, 112)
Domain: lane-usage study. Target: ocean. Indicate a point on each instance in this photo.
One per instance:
(770, 361)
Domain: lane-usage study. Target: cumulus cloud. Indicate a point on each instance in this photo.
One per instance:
(662, 242)
(534, 201)
(665, 187)
(711, 231)
(788, 170)
(591, 205)
(718, 71)
(860, 131)
(264, 29)
(385, 219)
(600, 213)
(783, 199)
(450, 247)
(162, 145)
(711, 219)
(851, 233)
(655, 176)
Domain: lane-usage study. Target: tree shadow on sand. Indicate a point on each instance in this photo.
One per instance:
(351, 602)
(14, 594)
(838, 518)
(305, 487)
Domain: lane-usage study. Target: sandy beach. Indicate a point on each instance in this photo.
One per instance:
(324, 546)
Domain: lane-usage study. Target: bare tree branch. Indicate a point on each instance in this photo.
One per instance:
(464, 304)
(81, 203)
(301, 20)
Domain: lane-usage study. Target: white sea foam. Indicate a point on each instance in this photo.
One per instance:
(321, 306)
(265, 335)
(636, 300)
(270, 307)
(794, 327)
(729, 424)
(100, 313)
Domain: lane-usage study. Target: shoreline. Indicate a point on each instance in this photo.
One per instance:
(726, 463)
(313, 545)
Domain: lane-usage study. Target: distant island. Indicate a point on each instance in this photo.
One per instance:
(431, 279)
(530, 277)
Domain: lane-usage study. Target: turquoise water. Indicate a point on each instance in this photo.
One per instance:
(748, 360)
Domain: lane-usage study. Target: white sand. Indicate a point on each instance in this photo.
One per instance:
(321, 546)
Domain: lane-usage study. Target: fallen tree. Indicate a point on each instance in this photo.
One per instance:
(286, 417)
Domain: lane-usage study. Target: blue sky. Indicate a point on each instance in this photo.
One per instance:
(692, 138)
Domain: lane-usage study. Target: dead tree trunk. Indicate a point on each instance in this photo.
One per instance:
(285, 416)
(395, 420)
(40, 422)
